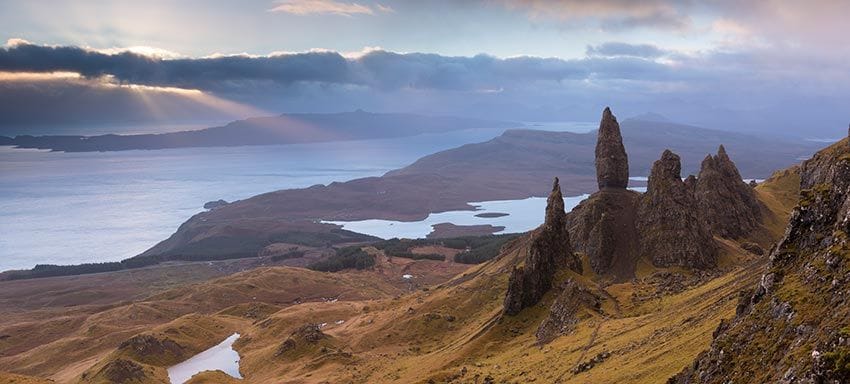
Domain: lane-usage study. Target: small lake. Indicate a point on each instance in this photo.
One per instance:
(522, 216)
(221, 357)
(517, 216)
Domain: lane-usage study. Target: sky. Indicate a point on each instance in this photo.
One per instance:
(770, 66)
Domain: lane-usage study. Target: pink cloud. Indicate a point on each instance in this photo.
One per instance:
(308, 7)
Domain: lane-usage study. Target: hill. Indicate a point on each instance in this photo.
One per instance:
(581, 327)
(283, 129)
(515, 165)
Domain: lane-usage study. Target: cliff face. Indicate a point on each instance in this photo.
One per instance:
(726, 202)
(612, 163)
(550, 251)
(794, 325)
(671, 230)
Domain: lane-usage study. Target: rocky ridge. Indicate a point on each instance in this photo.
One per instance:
(793, 326)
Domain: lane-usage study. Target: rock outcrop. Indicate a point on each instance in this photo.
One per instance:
(215, 204)
(725, 201)
(550, 251)
(612, 163)
(671, 230)
(302, 337)
(149, 349)
(565, 311)
(794, 325)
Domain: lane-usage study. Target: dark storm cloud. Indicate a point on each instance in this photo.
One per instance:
(378, 69)
(744, 88)
(191, 73)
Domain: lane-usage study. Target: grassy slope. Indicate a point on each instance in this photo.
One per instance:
(408, 339)
(433, 332)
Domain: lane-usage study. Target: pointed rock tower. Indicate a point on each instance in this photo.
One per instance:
(550, 251)
(671, 232)
(603, 226)
(612, 163)
(725, 201)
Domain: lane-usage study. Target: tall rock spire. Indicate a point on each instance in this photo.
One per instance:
(550, 251)
(555, 214)
(612, 163)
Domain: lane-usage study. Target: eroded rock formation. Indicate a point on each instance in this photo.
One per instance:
(550, 251)
(603, 226)
(612, 163)
(725, 201)
(671, 230)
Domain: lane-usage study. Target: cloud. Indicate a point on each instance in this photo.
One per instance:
(141, 50)
(713, 87)
(614, 49)
(384, 8)
(309, 7)
(372, 68)
(609, 14)
(30, 100)
(16, 41)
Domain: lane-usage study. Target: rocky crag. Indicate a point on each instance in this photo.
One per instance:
(565, 310)
(725, 201)
(603, 225)
(794, 325)
(612, 163)
(672, 232)
(550, 251)
(673, 224)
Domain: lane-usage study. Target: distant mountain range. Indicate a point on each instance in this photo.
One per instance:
(283, 129)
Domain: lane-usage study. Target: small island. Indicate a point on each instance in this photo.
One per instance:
(491, 215)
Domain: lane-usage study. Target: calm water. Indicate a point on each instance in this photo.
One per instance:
(69, 208)
(220, 357)
(522, 215)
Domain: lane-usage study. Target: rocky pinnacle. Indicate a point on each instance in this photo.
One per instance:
(612, 163)
(550, 251)
(672, 232)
